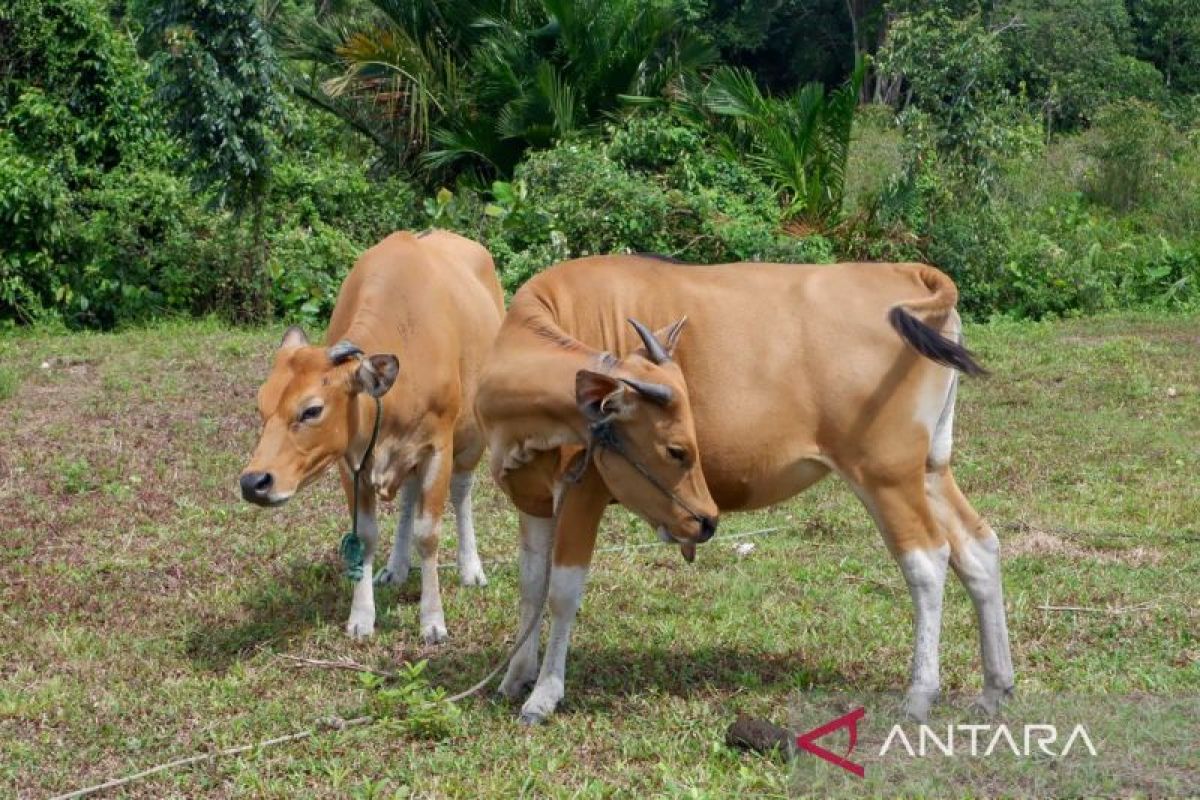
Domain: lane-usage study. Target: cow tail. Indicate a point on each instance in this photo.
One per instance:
(923, 338)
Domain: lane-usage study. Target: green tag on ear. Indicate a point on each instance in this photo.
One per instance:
(351, 549)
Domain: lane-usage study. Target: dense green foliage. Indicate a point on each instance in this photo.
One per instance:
(161, 159)
(475, 84)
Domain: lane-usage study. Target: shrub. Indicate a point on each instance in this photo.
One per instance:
(1131, 144)
(307, 266)
(33, 199)
(338, 193)
(635, 193)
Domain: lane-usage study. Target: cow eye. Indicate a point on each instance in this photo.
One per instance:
(311, 413)
(678, 453)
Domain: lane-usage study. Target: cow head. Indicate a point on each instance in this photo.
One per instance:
(308, 406)
(644, 440)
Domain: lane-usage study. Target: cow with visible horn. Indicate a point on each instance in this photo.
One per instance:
(784, 374)
(413, 323)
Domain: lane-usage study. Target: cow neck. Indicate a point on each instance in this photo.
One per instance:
(368, 413)
(560, 375)
(542, 390)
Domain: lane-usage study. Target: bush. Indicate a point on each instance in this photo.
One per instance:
(307, 266)
(655, 186)
(1131, 144)
(119, 269)
(73, 107)
(310, 190)
(32, 201)
(1039, 246)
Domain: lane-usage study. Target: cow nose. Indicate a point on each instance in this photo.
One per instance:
(256, 485)
(708, 527)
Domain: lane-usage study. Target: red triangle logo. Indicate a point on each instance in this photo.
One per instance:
(807, 741)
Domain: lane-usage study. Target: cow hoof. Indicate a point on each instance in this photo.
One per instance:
(989, 701)
(473, 576)
(360, 630)
(985, 705)
(917, 705)
(391, 577)
(530, 718)
(435, 633)
(516, 688)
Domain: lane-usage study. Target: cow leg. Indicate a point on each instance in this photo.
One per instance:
(435, 485)
(975, 557)
(470, 569)
(400, 560)
(362, 607)
(898, 503)
(576, 523)
(537, 538)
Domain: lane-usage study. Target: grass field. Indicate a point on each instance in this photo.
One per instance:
(144, 608)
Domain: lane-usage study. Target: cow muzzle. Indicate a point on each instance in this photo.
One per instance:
(258, 488)
(708, 529)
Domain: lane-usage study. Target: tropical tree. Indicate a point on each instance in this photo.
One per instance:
(799, 143)
(217, 75)
(462, 84)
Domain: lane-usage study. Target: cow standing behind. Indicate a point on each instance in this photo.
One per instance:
(417, 315)
(784, 374)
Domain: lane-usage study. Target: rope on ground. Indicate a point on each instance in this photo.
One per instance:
(616, 548)
(332, 723)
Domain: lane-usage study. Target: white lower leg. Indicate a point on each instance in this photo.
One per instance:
(925, 573)
(977, 564)
(433, 622)
(537, 538)
(470, 570)
(400, 560)
(566, 593)
(362, 608)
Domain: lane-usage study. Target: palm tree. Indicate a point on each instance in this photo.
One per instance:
(448, 85)
(799, 143)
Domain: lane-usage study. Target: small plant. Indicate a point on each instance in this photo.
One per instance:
(76, 475)
(8, 383)
(409, 705)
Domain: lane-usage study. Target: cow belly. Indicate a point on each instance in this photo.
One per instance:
(751, 489)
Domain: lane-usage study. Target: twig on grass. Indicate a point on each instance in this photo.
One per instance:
(890, 587)
(346, 664)
(1096, 610)
(330, 723)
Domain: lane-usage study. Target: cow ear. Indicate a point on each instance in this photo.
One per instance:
(376, 374)
(599, 396)
(669, 335)
(293, 337)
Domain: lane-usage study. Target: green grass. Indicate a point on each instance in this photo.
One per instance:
(143, 606)
(8, 383)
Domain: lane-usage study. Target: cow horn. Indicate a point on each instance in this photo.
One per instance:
(654, 392)
(658, 354)
(343, 351)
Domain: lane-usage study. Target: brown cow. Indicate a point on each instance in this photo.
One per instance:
(425, 308)
(791, 371)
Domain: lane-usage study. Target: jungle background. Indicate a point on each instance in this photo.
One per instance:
(232, 157)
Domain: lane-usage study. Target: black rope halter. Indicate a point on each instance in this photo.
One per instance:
(603, 434)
